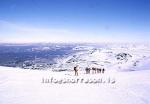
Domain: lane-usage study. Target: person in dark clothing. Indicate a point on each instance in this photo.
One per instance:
(87, 70)
(98, 70)
(76, 70)
(94, 70)
(103, 70)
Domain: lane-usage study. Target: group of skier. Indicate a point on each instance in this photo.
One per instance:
(88, 70)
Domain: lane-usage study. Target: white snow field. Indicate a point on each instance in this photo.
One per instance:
(124, 57)
(19, 86)
(126, 80)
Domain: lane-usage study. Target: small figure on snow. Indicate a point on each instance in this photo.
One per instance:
(76, 69)
(87, 69)
(98, 70)
(94, 70)
(103, 70)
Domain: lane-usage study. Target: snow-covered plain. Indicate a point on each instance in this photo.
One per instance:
(26, 87)
(130, 76)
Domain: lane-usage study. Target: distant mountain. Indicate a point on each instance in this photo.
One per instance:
(57, 57)
(119, 57)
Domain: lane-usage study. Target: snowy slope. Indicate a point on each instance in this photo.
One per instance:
(25, 87)
(127, 65)
(119, 57)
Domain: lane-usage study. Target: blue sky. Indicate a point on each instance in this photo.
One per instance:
(74, 20)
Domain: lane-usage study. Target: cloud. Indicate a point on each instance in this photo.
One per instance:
(15, 32)
(11, 32)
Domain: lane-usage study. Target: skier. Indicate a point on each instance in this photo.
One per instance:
(98, 70)
(94, 70)
(76, 70)
(87, 69)
(103, 70)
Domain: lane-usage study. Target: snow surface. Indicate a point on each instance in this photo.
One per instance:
(19, 86)
(128, 67)
(125, 57)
